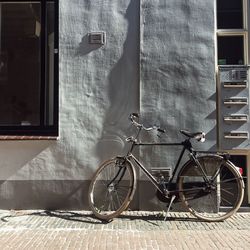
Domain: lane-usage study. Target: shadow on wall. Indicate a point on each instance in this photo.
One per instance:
(123, 90)
(85, 48)
(17, 191)
(15, 155)
(212, 133)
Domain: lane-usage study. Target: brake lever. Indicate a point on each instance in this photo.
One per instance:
(162, 131)
(135, 115)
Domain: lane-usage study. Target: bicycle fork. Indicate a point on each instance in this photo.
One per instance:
(122, 170)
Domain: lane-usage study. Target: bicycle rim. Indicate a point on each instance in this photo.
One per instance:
(112, 188)
(218, 200)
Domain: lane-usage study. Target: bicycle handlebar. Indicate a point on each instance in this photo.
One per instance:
(134, 116)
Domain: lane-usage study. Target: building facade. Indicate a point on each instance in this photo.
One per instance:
(71, 72)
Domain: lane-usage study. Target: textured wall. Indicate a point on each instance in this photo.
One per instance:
(178, 65)
(158, 59)
(177, 84)
(99, 87)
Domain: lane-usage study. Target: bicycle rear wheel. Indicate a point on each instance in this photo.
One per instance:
(112, 188)
(215, 199)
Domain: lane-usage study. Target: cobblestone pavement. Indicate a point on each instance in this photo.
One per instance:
(133, 230)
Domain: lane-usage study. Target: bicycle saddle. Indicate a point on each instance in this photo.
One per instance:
(199, 136)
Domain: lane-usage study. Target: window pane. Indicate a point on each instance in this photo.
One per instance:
(230, 50)
(229, 14)
(20, 32)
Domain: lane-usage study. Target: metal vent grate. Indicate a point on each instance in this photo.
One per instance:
(233, 75)
(242, 75)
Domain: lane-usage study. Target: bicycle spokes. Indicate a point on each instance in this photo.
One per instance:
(215, 198)
(111, 188)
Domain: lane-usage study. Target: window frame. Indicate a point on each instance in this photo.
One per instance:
(42, 130)
(237, 32)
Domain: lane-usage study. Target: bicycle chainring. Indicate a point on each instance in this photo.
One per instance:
(160, 195)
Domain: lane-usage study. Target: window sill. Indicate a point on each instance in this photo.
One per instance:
(26, 137)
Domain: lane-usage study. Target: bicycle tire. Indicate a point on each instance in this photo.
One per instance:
(218, 201)
(112, 188)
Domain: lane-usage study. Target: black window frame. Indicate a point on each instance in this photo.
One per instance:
(42, 130)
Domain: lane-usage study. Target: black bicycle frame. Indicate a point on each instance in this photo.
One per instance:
(187, 146)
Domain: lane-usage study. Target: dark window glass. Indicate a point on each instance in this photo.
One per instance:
(27, 74)
(230, 50)
(229, 14)
(20, 47)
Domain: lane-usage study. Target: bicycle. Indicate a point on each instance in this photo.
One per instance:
(208, 184)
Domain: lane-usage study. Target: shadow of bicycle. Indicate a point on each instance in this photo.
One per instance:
(88, 217)
(65, 215)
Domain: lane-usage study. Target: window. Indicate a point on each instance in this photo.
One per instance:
(232, 34)
(28, 67)
(231, 49)
(230, 14)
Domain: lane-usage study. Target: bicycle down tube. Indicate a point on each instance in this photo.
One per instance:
(147, 173)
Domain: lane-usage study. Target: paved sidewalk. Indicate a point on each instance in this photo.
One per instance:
(133, 230)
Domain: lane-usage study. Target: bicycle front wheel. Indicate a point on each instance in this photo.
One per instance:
(112, 188)
(216, 196)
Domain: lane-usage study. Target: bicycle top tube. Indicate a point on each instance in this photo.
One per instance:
(159, 144)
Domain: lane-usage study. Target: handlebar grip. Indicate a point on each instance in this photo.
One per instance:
(135, 115)
(161, 130)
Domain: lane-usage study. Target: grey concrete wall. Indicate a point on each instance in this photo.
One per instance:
(99, 87)
(158, 59)
(178, 66)
(177, 84)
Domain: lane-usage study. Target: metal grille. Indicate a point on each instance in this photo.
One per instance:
(233, 75)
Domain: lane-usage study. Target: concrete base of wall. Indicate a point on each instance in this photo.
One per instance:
(66, 194)
(47, 194)
(72, 195)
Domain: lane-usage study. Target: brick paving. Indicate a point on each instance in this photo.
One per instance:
(132, 230)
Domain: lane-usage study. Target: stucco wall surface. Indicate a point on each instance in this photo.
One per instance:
(178, 65)
(99, 87)
(99, 84)
(177, 83)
